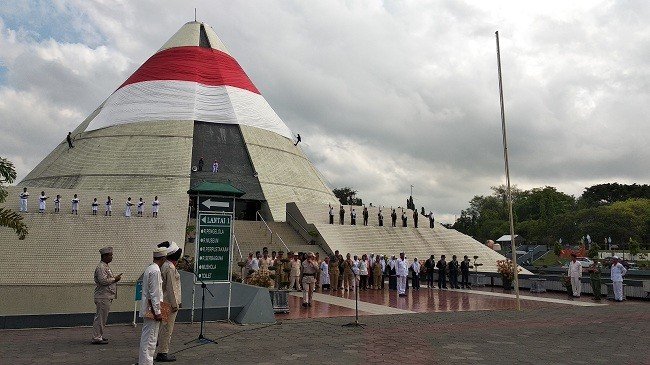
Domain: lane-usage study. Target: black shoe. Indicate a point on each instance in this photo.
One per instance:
(304, 305)
(309, 304)
(100, 342)
(165, 358)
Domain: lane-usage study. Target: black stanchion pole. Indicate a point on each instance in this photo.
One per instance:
(202, 339)
(356, 322)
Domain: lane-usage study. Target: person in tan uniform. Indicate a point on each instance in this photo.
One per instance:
(376, 273)
(295, 273)
(105, 292)
(171, 281)
(308, 278)
(279, 269)
(348, 274)
(334, 272)
(265, 261)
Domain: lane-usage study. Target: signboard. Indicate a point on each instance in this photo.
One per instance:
(212, 204)
(138, 290)
(213, 247)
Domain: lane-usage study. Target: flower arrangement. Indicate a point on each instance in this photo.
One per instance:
(261, 278)
(507, 269)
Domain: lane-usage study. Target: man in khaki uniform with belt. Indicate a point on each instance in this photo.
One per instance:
(171, 281)
(105, 292)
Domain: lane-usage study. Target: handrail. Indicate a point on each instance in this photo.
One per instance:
(238, 249)
(298, 223)
(283, 244)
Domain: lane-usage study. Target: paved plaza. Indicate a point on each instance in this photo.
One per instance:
(429, 327)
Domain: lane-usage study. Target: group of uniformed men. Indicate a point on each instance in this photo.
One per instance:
(307, 272)
(380, 217)
(42, 199)
(161, 300)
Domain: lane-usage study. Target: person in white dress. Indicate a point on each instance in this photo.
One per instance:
(23, 200)
(575, 273)
(402, 270)
(127, 207)
(215, 166)
(57, 203)
(152, 296)
(325, 274)
(95, 206)
(616, 274)
(109, 206)
(154, 207)
(140, 207)
(41, 202)
(75, 205)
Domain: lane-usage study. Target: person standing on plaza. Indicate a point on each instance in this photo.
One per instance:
(453, 272)
(308, 279)
(57, 203)
(402, 271)
(464, 273)
(152, 297)
(154, 207)
(24, 195)
(377, 273)
(279, 269)
(348, 273)
(41, 202)
(575, 273)
(363, 273)
(430, 265)
(109, 206)
(380, 218)
(393, 217)
(140, 207)
(594, 278)
(75, 205)
(215, 167)
(331, 214)
(94, 206)
(334, 271)
(617, 272)
(353, 217)
(105, 292)
(171, 284)
(365, 216)
(341, 215)
(415, 218)
(442, 272)
(325, 274)
(392, 272)
(415, 268)
(294, 283)
(127, 207)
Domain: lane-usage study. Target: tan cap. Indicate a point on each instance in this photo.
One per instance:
(105, 250)
(159, 252)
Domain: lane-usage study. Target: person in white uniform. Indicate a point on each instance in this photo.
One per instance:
(152, 296)
(95, 206)
(57, 203)
(215, 166)
(575, 273)
(325, 273)
(154, 207)
(75, 205)
(616, 273)
(140, 207)
(127, 207)
(41, 202)
(23, 200)
(402, 270)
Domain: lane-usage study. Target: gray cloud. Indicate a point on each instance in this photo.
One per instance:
(385, 95)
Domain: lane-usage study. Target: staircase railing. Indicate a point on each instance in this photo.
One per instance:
(238, 248)
(258, 215)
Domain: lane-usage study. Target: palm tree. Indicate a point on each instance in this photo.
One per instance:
(9, 218)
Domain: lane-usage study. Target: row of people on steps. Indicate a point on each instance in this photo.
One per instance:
(94, 206)
(380, 217)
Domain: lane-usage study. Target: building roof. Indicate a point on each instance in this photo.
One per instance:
(506, 238)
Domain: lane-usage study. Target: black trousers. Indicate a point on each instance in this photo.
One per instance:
(394, 221)
(331, 219)
(392, 282)
(442, 280)
(453, 278)
(363, 283)
(430, 278)
(430, 224)
(416, 281)
(365, 221)
(415, 224)
(381, 223)
(464, 279)
(341, 219)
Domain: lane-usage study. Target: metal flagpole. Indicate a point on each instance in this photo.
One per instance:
(509, 191)
(232, 234)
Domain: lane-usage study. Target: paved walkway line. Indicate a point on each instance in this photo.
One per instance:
(526, 297)
(349, 303)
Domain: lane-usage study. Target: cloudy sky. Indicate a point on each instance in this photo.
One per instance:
(385, 94)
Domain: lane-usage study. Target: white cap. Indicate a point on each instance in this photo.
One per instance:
(615, 257)
(173, 247)
(159, 252)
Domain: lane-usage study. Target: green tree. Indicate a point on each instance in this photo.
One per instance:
(347, 196)
(557, 248)
(634, 247)
(9, 218)
(593, 251)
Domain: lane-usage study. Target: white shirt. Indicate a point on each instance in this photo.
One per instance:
(402, 267)
(617, 272)
(575, 269)
(324, 273)
(363, 268)
(255, 264)
(416, 267)
(75, 203)
(355, 267)
(151, 289)
(383, 265)
(155, 205)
